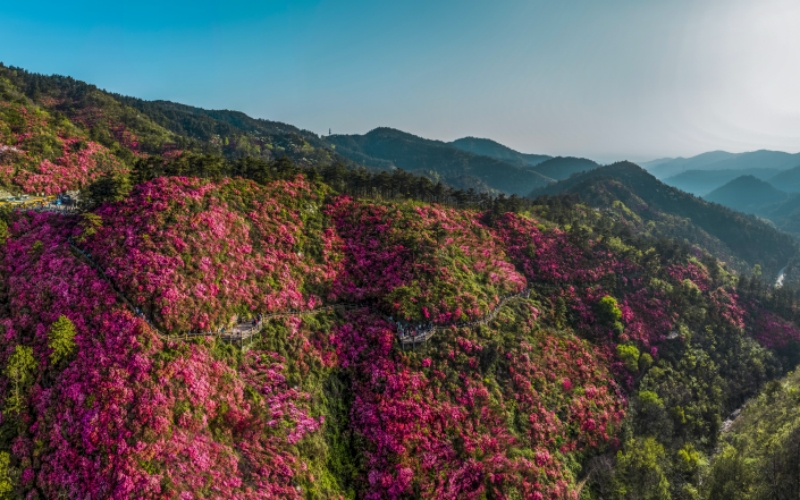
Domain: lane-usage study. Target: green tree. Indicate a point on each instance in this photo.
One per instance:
(6, 482)
(21, 371)
(61, 339)
(629, 355)
(640, 472)
(609, 313)
(90, 223)
(107, 189)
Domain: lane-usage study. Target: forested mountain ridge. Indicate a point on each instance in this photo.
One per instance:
(236, 135)
(128, 124)
(488, 147)
(702, 182)
(387, 148)
(747, 194)
(561, 167)
(653, 207)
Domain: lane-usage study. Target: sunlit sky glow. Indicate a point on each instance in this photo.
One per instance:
(610, 79)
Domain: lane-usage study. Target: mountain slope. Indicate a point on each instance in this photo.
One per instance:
(43, 153)
(385, 147)
(236, 135)
(737, 238)
(130, 125)
(673, 166)
(325, 403)
(702, 182)
(788, 180)
(561, 167)
(488, 147)
(746, 194)
(760, 454)
(721, 160)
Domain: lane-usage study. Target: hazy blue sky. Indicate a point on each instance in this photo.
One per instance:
(606, 79)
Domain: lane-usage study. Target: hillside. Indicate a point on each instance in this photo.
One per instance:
(721, 160)
(386, 148)
(488, 147)
(702, 182)
(233, 134)
(41, 152)
(129, 125)
(746, 194)
(759, 456)
(326, 403)
(667, 167)
(654, 208)
(561, 167)
(788, 180)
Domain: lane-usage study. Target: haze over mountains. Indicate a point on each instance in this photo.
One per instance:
(722, 160)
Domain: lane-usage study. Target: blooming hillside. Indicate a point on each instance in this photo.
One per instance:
(194, 253)
(41, 153)
(626, 353)
(420, 262)
(123, 415)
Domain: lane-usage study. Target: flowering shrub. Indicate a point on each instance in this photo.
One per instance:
(772, 331)
(327, 404)
(420, 262)
(195, 253)
(439, 426)
(41, 155)
(130, 415)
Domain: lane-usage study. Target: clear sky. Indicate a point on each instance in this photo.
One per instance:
(607, 79)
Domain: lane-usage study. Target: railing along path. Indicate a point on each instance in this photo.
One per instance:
(244, 332)
(407, 334)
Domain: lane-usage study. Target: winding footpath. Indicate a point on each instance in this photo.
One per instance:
(244, 332)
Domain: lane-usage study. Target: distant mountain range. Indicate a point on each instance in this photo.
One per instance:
(722, 160)
(763, 198)
(746, 194)
(651, 207)
(702, 182)
(480, 164)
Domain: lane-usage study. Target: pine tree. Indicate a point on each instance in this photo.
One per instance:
(61, 340)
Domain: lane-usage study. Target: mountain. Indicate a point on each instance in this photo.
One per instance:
(721, 160)
(561, 167)
(562, 338)
(386, 148)
(41, 152)
(638, 198)
(746, 194)
(219, 322)
(234, 134)
(649, 165)
(675, 166)
(702, 182)
(488, 147)
(788, 180)
(127, 124)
